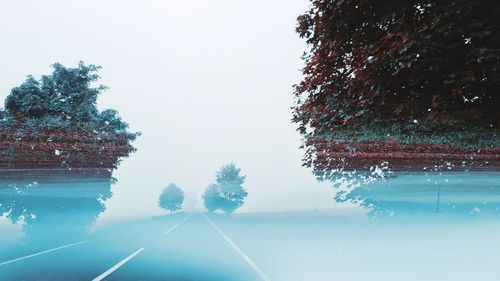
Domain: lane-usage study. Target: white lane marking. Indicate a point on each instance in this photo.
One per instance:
(116, 266)
(41, 253)
(172, 228)
(239, 251)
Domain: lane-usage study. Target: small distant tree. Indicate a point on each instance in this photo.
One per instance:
(227, 193)
(171, 198)
(211, 197)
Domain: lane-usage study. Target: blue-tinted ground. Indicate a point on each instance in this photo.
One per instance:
(400, 232)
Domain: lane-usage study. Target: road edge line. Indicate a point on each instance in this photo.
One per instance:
(116, 266)
(41, 253)
(239, 251)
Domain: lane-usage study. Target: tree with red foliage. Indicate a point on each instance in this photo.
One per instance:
(410, 71)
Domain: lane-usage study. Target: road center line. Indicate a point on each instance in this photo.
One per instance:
(116, 266)
(172, 228)
(41, 253)
(239, 251)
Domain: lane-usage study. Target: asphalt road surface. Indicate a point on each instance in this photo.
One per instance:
(181, 247)
(288, 246)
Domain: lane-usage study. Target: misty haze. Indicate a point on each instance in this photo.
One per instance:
(249, 140)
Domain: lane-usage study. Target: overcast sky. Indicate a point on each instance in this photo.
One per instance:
(206, 81)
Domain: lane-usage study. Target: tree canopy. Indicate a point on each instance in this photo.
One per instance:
(54, 122)
(65, 100)
(227, 193)
(171, 198)
(412, 70)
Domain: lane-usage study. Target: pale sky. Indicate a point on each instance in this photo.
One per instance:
(207, 82)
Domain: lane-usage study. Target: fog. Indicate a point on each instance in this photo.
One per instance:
(403, 237)
(207, 82)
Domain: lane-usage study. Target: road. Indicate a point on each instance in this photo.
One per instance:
(261, 247)
(181, 247)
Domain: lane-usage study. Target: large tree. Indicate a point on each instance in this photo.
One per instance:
(54, 122)
(227, 193)
(65, 100)
(410, 71)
